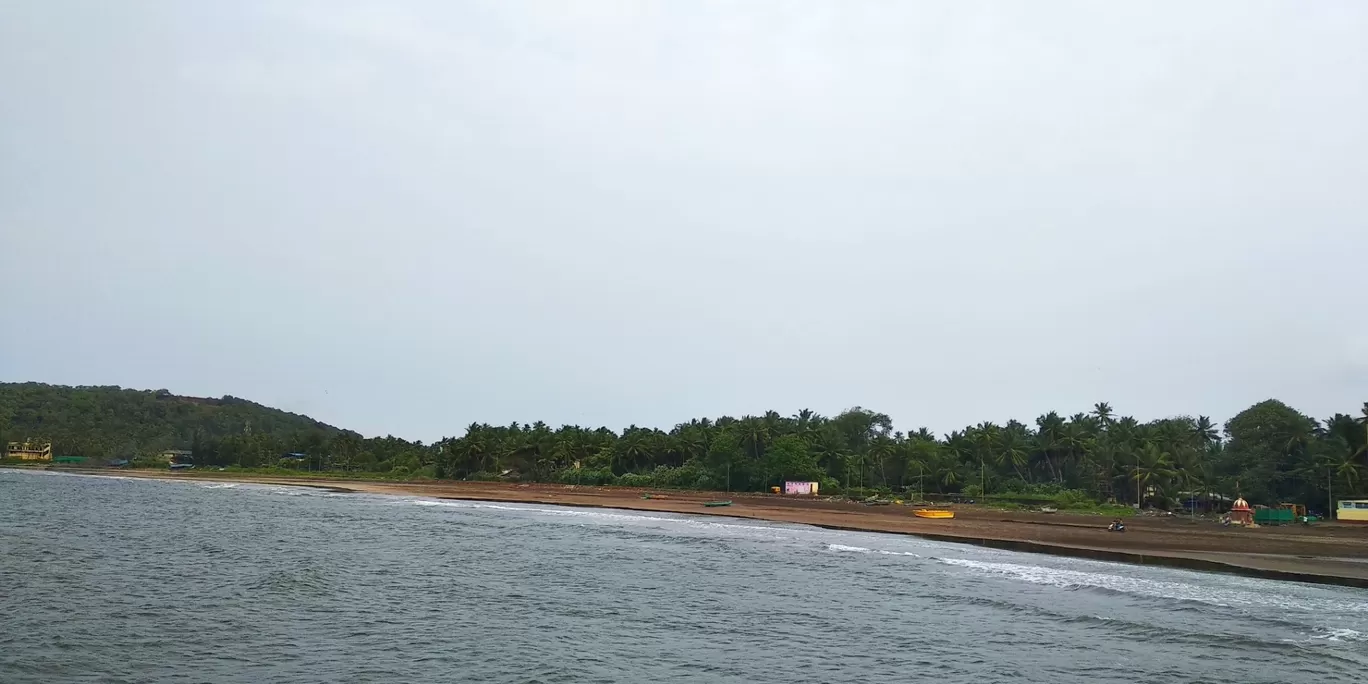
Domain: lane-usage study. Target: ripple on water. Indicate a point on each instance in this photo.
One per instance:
(131, 580)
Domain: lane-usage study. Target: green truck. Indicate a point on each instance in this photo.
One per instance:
(1274, 516)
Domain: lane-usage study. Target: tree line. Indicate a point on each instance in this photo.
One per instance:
(1268, 453)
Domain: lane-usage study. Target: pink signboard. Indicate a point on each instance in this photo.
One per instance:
(798, 487)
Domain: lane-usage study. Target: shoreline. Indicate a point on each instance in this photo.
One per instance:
(1328, 553)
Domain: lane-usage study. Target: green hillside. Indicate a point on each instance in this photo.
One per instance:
(1269, 453)
(112, 422)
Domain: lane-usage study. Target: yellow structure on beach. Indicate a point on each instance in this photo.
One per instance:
(1352, 510)
(29, 451)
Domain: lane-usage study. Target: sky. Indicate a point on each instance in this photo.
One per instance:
(404, 217)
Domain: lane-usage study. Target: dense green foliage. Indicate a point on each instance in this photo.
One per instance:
(1269, 452)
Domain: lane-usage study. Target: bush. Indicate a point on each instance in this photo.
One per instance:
(973, 491)
(865, 492)
(1015, 485)
(1042, 490)
(685, 477)
(635, 480)
(586, 476)
(1074, 498)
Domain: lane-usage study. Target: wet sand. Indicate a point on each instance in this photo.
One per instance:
(1327, 553)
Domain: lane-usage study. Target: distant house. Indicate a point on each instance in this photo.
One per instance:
(176, 456)
(1205, 501)
(29, 451)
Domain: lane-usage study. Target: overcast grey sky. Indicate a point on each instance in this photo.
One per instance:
(401, 217)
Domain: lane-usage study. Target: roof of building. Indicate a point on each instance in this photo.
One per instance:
(184, 452)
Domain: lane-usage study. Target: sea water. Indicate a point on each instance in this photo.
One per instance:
(134, 580)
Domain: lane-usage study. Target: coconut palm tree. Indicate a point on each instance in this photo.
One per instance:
(1049, 430)
(1363, 420)
(985, 437)
(1154, 468)
(881, 450)
(755, 436)
(1103, 412)
(1014, 449)
(807, 423)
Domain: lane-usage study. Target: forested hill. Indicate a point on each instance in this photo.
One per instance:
(112, 422)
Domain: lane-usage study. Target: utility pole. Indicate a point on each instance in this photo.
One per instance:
(1329, 495)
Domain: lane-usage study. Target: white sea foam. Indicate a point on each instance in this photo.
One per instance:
(898, 553)
(1340, 634)
(1239, 592)
(219, 485)
(852, 549)
(861, 549)
(53, 473)
(603, 515)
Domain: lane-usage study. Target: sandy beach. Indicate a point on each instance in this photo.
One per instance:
(1327, 553)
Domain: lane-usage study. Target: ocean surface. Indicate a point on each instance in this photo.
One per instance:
(127, 580)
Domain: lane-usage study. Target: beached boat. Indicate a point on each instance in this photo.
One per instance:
(715, 504)
(932, 513)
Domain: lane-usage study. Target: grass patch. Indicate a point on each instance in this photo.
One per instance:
(1070, 500)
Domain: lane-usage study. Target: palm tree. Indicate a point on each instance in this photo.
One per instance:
(755, 436)
(925, 455)
(1363, 420)
(1153, 468)
(881, 448)
(1206, 431)
(1201, 477)
(1049, 429)
(985, 440)
(806, 424)
(693, 442)
(1342, 459)
(1103, 412)
(832, 453)
(635, 448)
(1076, 442)
(1014, 448)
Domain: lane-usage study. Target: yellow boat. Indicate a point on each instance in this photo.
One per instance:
(928, 513)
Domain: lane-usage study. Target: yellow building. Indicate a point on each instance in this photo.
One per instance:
(29, 451)
(1352, 510)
